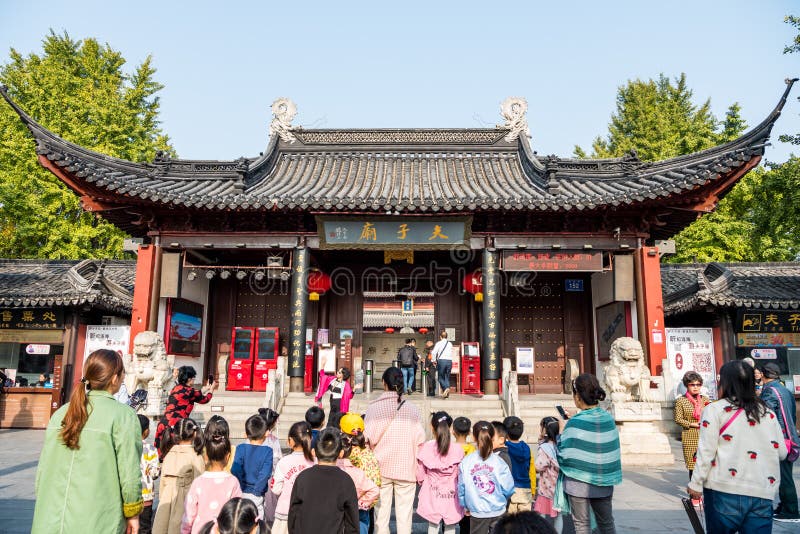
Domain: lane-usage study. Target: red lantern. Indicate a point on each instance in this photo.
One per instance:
(423, 330)
(317, 283)
(389, 330)
(473, 283)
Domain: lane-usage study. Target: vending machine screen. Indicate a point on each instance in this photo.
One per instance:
(266, 344)
(241, 344)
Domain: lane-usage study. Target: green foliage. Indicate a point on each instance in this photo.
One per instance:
(776, 213)
(78, 90)
(658, 120)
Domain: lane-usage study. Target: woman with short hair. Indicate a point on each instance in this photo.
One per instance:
(182, 399)
(687, 415)
(737, 464)
(589, 457)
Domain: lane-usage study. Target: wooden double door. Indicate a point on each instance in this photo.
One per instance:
(555, 322)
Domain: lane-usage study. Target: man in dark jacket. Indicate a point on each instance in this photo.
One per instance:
(407, 358)
(776, 396)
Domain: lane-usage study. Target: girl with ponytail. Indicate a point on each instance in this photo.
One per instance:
(393, 429)
(485, 482)
(238, 516)
(91, 454)
(437, 473)
(212, 488)
(182, 451)
(286, 472)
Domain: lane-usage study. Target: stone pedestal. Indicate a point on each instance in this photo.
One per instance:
(641, 441)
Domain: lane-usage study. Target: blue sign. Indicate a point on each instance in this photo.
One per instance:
(573, 284)
(408, 306)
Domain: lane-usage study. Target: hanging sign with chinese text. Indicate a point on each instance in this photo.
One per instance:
(521, 260)
(767, 321)
(690, 349)
(33, 319)
(383, 232)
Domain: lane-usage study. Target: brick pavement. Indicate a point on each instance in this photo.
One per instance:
(648, 500)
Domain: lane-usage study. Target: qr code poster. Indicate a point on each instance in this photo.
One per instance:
(690, 349)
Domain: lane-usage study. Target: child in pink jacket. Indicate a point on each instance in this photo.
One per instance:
(286, 472)
(367, 491)
(437, 472)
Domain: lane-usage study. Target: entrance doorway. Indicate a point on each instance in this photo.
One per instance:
(389, 320)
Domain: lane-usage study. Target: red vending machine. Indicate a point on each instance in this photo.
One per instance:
(266, 356)
(240, 364)
(308, 375)
(470, 368)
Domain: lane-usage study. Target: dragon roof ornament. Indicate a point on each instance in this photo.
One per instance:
(513, 110)
(283, 112)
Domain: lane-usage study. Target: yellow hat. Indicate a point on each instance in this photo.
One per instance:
(351, 423)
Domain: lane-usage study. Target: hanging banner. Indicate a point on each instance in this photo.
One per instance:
(691, 349)
(297, 309)
(491, 311)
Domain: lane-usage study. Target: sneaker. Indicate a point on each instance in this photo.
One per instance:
(446, 393)
(783, 517)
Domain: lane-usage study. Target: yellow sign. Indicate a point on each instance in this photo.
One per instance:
(53, 337)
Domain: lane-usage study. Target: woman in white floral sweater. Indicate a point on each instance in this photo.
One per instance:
(740, 446)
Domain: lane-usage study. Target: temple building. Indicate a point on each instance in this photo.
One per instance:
(333, 246)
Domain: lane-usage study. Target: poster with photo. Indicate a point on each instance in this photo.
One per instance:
(691, 349)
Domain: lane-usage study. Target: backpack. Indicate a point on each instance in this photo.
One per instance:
(406, 356)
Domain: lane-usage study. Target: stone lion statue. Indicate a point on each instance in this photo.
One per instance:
(150, 368)
(627, 376)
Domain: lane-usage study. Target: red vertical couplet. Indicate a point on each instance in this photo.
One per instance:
(656, 342)
(142, 290)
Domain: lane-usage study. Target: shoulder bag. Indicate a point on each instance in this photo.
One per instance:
(793, 449)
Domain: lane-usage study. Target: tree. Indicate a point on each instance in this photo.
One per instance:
(658, 119)
(776, 229)
(77, 89)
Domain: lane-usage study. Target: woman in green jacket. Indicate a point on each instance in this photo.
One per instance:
(88, 478)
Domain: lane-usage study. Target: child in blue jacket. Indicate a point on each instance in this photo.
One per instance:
(485, 482)
(252, 463)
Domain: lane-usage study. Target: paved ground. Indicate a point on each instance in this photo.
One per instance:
(647, 501)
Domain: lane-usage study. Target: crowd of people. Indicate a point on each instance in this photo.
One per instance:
(347, 473)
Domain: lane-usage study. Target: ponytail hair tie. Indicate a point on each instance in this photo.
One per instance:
(442, 418)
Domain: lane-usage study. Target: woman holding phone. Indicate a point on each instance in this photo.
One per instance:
(182, 399)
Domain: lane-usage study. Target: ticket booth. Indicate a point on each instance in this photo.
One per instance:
(266, 356)
(470, 368)
(240, 364)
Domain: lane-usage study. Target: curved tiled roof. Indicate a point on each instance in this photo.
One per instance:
(418, 170)
(691, 287)
(107, 285)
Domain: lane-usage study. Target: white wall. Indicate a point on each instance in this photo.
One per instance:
(197, 291)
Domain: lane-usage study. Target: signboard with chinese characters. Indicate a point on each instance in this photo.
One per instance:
(777, 339)
(381, 232)
(767, 321)
(521, 260)
(31, 319)
(114, 338)
(690, 349)
(524, 360)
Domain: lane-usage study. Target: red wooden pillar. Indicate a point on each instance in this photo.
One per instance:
(653, 320)
(143, 290)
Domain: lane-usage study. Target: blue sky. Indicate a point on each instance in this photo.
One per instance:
(426, 64)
